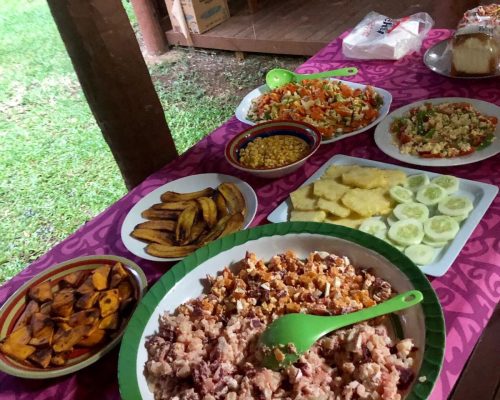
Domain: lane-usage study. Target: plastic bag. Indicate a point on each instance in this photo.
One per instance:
(378, 37)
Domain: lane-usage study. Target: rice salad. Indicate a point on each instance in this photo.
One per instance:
(333, 107)
(208, 348)
(443, 130)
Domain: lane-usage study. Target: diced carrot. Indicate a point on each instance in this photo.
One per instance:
(346, 90)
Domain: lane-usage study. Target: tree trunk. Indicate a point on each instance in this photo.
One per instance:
(116, 82)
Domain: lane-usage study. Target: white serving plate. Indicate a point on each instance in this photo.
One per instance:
(384, 139)
(183, 185)
(243, 108)
(481, 195)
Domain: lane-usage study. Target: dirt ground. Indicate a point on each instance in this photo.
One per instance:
(223, 74)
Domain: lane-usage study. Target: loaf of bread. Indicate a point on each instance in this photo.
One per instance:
(475, 47)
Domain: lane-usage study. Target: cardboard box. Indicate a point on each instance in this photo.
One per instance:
(199, 15)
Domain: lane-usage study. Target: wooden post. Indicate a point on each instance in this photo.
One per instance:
(116, 83)
(149, 24)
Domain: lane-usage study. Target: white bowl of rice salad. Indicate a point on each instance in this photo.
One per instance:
(441, 132)
(195, 335)
(338, 109)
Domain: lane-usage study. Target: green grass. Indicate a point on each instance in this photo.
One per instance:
(56, 171)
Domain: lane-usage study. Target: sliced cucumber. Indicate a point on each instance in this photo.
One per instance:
(429, 242)
(375, 227)
(420, 254)
(441, 228)
(460, 218)
(447, 182)
(430, 194)
(391, 219)
(415, 182)
(394, 244)
(401, 194)
(455, 205)
(406, 232)
(414, 210)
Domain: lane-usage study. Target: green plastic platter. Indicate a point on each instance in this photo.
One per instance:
(423, 323)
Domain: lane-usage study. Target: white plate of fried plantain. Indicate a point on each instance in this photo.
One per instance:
(183, 215)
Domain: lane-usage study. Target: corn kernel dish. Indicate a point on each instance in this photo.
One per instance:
(207, 349)
(273, 151)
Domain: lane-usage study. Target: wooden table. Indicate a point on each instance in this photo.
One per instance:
(468, 293)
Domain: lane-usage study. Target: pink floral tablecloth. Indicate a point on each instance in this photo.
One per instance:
(468, 292)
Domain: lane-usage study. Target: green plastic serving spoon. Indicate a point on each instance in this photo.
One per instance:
(278, 77)
(291, 335)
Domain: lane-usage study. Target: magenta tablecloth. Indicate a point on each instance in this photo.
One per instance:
(468, 292)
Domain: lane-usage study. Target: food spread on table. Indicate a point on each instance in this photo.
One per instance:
(81, 312)
(183, 222)
(207, 347)
(333, 107)
(443, 130)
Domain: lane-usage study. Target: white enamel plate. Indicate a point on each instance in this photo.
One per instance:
(244, 107)
(183, 185)
(385, 142)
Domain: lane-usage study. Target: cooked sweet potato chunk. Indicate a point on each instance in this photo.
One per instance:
(60, 359)
(38, 322)
(41, 292)
(109, 302)
(110, 322)
(63, 302)
(86, 287)
(70, 338)
(18, 351)
(31, 308)
(42, 357)
(72, 280)
(100, 277)
(96, 337)
(87, 300)
(21, 335)
(85, 317)
(125, 290)
(46, 308)
(16, 344)
(118, 268)
(43, 336)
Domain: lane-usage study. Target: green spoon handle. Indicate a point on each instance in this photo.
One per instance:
(349, 71)
(397, 303)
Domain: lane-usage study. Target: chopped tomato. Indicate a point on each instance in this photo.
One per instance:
(428, 154)
(404, 138)
(467, 152)
(345, 90)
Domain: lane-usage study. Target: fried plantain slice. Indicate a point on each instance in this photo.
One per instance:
(166, 251)
(234, 199)
(174, 196)
(173, 205)
(158, 225)
(185, 223)
(198, 228)
(220, 202)
(208, 210)
(150, 235)
(234, 224)
(160, 214)
(215, 232)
